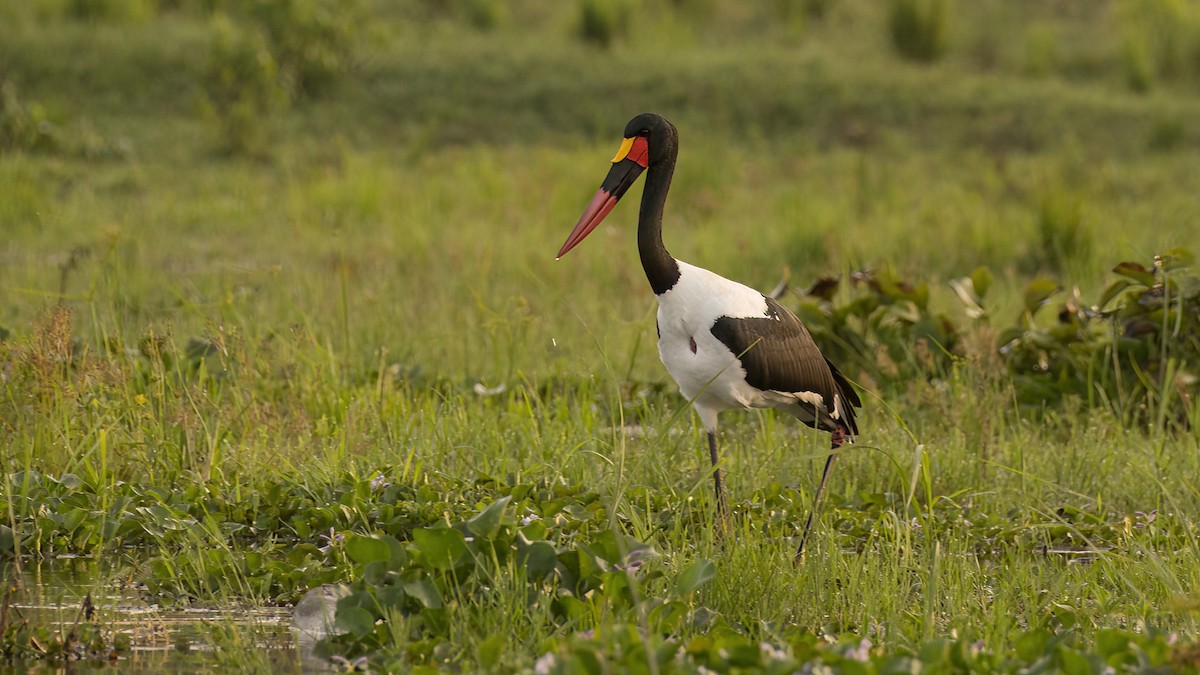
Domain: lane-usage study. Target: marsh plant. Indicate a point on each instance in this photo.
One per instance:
(919, 29)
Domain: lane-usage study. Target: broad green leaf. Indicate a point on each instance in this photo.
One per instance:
(391, 597)
(1114, 289)
(442, 547)
(425, 593)
(486, 524)
(538, 557)
(370, 548)
(1038, 292)
(1073, 663)
(981, 280)
(1031, 645)
(1135, 271)
(1177, 258)
(1113, 645)
(354, 620)
(695, 576)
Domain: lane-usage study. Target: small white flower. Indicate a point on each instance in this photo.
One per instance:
(545, 665)
(772, 652)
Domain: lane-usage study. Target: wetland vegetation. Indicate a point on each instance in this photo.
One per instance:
(280, 309)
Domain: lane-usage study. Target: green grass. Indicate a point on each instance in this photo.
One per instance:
(246, 342)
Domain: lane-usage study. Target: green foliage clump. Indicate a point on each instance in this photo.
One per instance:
(25, 126)
(406, 602)
(1136, 351)
(601, 22)
(610, 606)
(243, 88)
(268, 53)
(111, 10)
(919, 28)
(1160, 39)
(311, 40)
(1062, 232)
(487, 14)
(885, 330)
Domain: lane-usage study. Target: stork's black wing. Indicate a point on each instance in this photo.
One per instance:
(778, 353)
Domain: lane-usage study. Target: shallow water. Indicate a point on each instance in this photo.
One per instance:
(190, 640)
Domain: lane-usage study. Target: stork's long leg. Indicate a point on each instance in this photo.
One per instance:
(838, 438)
(718, 481)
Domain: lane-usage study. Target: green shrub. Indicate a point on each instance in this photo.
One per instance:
(243, 88)
(486, 14)
(1062, 234)
(1137, 351)
(24, 127)
(1041, 50)
(817, 9)
(601, 21)
(919, 28)
(111, 10)
(1160, 39)
(310, 40)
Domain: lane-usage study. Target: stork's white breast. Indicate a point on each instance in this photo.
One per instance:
(710, 374)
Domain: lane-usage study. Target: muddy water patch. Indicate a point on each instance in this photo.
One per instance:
(96, 616)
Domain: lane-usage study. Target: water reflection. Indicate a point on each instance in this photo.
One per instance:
(53, 594)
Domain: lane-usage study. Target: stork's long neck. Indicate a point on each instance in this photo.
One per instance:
(661, 269)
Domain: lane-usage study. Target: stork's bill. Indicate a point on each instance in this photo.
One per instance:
(629, 163)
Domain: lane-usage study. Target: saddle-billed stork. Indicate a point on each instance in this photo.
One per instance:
(726, 345)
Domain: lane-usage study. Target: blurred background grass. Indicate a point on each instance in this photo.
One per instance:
(398, 175)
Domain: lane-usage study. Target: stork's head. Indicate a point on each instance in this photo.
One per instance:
(649, 137)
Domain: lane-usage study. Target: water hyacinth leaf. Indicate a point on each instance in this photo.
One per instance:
(354, 620)
(1037, 293)
(397, 555)
(425, 593)
(1177, 258)
(981, 281)
(70, 481)
(1032, 645)
(1074, 663)
(364, 549)
(486, 524)
(442, 548)
(1114, 289)
(1113, 645)
(696, 575)
(391, 597)
(537, 558)
(1135, 271)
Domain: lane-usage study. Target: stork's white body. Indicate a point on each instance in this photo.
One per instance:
(707, 372)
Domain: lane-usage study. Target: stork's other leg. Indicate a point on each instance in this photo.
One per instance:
(718, 482)
(837, 440)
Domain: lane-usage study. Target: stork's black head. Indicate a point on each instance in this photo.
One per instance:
(649, 138)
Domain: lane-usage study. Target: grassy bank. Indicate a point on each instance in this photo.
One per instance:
(250, 355)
